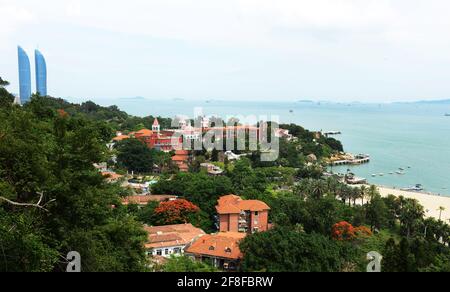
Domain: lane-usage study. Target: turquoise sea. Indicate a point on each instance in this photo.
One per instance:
(415, 135)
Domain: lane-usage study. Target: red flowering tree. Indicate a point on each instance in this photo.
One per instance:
(346, 231)
(343, 231)
(176, 212)
(62, 113)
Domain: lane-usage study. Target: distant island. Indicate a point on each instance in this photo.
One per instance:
(440, 101)
(133, 98)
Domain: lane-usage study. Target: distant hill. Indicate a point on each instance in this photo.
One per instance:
(441, 101)
(133, 98)
(118, 120)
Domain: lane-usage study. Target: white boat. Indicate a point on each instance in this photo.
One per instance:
(400, 172)
(381, 174)
(417, 188)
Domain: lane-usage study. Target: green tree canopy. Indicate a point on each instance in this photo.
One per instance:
(283, 250)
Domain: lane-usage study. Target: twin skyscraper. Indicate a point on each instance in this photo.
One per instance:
(25, 75)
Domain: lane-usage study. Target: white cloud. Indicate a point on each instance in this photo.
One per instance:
(243, 22)
(12, 18)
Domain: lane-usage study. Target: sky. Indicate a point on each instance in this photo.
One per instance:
(337, 50)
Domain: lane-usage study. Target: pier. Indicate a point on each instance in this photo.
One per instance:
(331, 133)
(352, 160)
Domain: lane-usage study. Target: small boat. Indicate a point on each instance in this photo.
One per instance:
(381, 174)
(401, 168)
(391, 172)
(291, 111)
(447, 115)
(400, 172)
(417, 188)
(374, 175)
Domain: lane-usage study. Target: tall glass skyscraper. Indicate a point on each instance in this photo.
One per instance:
(24, 76)
(41, 73)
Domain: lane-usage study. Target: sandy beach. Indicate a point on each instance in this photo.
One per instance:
(430, 202)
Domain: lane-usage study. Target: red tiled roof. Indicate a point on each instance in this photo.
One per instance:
(233, 204)
(111, 175)
(180, 158)
(144, 200)
(143, 132)
(253, 205)
(167, 134)
(181, 152)
(223, 245)
(121, 138)
(183, 167)
(171, 235)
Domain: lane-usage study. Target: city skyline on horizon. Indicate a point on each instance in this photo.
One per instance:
(339, 51)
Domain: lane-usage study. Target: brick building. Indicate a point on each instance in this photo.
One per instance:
(220, 250)
(244, 216)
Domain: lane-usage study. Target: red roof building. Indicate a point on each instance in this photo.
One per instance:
(182, 159)
(111, 176)
(121, 138)
(160, 140)
(171, 239)
(246, 216)
(221, 250)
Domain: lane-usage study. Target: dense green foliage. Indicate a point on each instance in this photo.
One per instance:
(200, 189)
(136, 156)
(184, 264)
(50, 152)
(288, 250)
(116, 119)
(407, 241)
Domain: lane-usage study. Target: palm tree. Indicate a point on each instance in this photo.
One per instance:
(339, 192)
(363, 193)
(317, 190)
(356, 194)
(372, 192)
(441, 209)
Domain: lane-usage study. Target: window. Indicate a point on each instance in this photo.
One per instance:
(177, 250)
(211, 248)
(166, 251)
(159, 252)
(256, 213)
(228, 250)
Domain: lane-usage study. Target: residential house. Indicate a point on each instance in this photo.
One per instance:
(211, 169)
(246, 216)
(171, 239)
(182, 159)
(220, 250)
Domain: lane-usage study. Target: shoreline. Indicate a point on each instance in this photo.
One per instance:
(431, 202)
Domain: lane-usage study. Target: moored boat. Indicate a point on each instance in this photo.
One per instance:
(416, 188)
